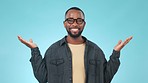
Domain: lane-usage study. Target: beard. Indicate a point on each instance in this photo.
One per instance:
(74, 35)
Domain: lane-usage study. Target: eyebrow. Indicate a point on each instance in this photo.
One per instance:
(73, 18)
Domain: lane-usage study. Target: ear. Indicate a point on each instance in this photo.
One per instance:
(64, 24)
(84, 23)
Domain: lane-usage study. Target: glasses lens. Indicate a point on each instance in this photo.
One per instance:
(80, 21)
(70, 20)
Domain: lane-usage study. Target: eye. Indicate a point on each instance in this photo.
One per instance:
(80, 21)
(70, 20)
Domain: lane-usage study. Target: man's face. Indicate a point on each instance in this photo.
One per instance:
(74, 23)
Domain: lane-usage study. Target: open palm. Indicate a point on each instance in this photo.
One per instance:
(29, 43)
(121, 44)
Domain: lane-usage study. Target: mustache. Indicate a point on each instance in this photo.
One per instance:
(74, 28)
(76, 35)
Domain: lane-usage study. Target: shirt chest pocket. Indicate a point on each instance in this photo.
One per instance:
(57, 62)
(57, 66)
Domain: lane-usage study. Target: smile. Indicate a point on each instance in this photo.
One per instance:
(74, 30)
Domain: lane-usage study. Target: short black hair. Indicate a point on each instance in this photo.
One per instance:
(74, 8)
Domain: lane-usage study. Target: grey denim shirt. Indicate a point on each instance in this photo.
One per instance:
(56, 66)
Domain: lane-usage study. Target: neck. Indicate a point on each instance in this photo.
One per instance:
(78, 40)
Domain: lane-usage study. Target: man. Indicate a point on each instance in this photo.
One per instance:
(74, 59)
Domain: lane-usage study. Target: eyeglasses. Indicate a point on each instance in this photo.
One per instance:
(71, 20)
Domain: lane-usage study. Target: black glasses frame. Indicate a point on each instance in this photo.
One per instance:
(72, 20)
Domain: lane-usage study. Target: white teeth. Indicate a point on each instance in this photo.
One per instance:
(74, 29)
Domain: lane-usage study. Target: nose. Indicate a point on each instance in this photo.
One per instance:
(75, 23)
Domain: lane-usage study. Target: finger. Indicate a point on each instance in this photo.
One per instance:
(19, 37)
(22, 40)
(119, 42)
(127, 40)
(131, 37)
(31, 40)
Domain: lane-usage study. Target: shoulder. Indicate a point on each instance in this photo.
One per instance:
(57, 44)
(94, 48)
(92, 44)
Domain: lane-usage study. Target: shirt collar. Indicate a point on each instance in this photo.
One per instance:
(64, 41)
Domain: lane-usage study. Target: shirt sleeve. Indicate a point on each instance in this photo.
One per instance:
(38, 65)
(112, 66)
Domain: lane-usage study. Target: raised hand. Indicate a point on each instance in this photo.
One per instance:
(121, 44)
(29, 43)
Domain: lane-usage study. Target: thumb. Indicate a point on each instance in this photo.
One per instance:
(119, 42)
(31, 40)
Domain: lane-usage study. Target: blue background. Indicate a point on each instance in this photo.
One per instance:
(42, 20)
